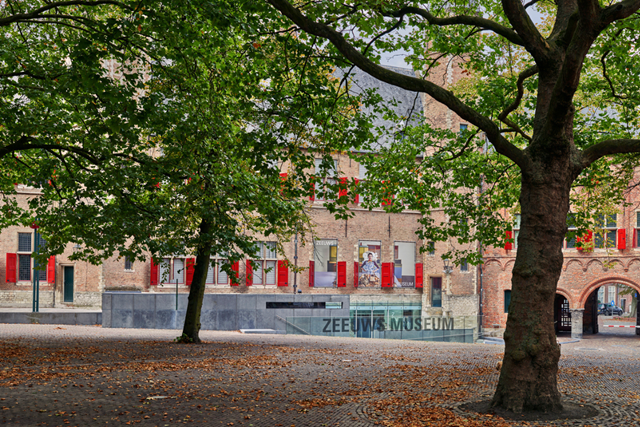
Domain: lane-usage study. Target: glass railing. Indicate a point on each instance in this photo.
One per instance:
(385, 324)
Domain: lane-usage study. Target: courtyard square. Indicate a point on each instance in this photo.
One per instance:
(80, 375)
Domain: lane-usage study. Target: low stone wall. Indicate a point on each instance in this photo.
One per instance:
(221, 312)
(53, 318)
(24, 299)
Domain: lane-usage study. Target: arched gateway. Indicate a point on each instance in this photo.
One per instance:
(584, 317)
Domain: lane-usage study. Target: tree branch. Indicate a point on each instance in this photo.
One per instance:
(475, 21)
(606, 75)
(529, 72)
(502, 145)
(525, 28)
(36, 14)
(608, 147)
(619, 11)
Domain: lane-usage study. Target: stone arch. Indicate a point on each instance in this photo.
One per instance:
(573, 261)
(593, 261)
(617, 261)
(567, 295)
(604, 281)
(631, 262)
(493, 260)
(506, 264)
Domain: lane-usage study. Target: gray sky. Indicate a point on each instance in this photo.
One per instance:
(397, 58)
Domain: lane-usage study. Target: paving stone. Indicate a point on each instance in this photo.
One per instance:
(81, 375)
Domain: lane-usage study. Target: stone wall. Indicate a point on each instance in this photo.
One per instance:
(224, 312)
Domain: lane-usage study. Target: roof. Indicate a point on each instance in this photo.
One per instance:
(405, 104)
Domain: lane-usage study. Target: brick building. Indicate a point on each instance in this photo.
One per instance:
(590, 277)
(374, 257)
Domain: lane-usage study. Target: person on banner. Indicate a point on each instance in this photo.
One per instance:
(369, 271)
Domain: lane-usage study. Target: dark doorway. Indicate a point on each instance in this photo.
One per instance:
(561, 314)
(68, 284)
(590, 317)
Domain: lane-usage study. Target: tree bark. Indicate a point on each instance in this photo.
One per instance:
(528, 378)
(191, 327)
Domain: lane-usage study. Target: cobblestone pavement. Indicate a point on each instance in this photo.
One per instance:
(78, 375)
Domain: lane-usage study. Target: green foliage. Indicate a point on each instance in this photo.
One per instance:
(434, 170)
(196, 122)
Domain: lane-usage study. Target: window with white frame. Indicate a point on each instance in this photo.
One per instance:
(264, 264)
(362, 176)
(516, 230)
(223, 277)
(25, 260)
(24, 256)
(606, 236)
(321, 186)
(128, 264)
(431, 248)
(571, 238)
(178, 270)
(210, 274)
(165, 270)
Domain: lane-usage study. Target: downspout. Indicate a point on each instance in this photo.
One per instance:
(480, 270)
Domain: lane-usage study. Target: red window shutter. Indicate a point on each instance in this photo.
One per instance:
(622, 239)
(635, 238)
(51, 270)
(249, 273)
(236, 273)
(190, 269)
(283, 178)
(342, 274)
(343, 192)
(283, 273)
(312, 274)
(356, 267)
(385, 202)
(386, 274)
(357, 198)
(509, 245)
(312, 195)
(419, 275)
(154, 274)
(12, 266)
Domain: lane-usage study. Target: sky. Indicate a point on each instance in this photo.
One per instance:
(396, 58)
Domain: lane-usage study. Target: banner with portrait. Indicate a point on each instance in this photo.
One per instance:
(369, 264)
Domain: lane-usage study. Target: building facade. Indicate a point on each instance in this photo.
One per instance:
(374, 257)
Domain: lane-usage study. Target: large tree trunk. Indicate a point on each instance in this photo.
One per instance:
(528, 378)
(191, 327)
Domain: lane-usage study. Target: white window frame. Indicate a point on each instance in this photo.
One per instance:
(265, 260)
(517, 222)
(42, 271)
(171, 267)
(607, 229)
(331, 178)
